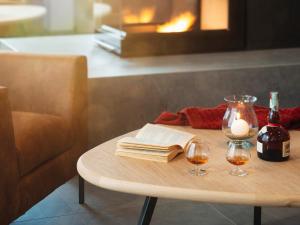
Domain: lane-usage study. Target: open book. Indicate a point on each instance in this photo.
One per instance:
(154, 142)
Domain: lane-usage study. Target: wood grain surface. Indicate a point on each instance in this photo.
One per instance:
(268, 183)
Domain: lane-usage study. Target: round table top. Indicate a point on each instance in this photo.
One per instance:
(268, 183)
(16, 13)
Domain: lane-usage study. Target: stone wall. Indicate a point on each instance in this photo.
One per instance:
(121, 104)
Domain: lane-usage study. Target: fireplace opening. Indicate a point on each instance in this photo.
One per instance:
(212, 15)
(157, 27)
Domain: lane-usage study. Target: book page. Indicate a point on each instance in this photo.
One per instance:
(145, 152)
(133, 141)
(163, 136)
(146, 155)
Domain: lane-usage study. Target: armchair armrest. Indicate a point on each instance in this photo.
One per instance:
(9, 175)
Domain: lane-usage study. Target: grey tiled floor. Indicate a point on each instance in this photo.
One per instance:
(112, 208)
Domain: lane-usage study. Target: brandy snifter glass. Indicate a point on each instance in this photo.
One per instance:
(197, 153)
(237, 156)
(240, 121)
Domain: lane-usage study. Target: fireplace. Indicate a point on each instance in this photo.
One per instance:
(160, 27)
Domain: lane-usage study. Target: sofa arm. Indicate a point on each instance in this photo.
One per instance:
(8, 160)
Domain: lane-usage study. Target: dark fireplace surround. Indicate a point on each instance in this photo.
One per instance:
(252, 24)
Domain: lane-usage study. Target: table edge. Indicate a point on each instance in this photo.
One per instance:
(184, 194)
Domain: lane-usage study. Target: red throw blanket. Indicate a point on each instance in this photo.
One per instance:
(211, 118)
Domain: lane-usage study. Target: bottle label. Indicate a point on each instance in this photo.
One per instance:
(285, 149)
(259, 147)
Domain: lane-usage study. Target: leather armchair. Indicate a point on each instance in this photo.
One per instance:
(43, 126)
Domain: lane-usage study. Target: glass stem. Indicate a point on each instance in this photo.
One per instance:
(197, 168)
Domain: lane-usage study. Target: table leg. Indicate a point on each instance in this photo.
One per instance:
(257, 215)
(81, 189)
(147, 211)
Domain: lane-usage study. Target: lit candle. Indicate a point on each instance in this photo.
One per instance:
(239, 127)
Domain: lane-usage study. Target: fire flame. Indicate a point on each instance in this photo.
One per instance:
(181, 23)
(146, 15)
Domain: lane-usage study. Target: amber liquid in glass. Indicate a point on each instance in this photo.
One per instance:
(198, 159)
(238, 160)
(273, 141)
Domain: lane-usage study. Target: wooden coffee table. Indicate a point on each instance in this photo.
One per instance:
(268, 184)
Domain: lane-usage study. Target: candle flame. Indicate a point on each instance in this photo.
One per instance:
(181, 23)
(238, 115)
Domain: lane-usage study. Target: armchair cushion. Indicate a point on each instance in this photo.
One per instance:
(39, 138)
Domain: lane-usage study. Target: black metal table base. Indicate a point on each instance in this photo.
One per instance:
(150, 203)
(257, 215)
(149, 206)
(81, 190)
(147, 211)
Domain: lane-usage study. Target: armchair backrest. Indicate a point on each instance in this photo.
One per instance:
(45, 84)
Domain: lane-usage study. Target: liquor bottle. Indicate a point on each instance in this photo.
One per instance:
(273, 141)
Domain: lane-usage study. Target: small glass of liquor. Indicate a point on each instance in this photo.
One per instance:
(197, 153)
(240, 121)
(238, 156)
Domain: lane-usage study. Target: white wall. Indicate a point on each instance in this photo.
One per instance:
(60, 15)
(67, 15)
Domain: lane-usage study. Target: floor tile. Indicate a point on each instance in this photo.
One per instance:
(51, 206)
(67, 220)
(243, 215)
(173, 213)
(95, 217)
(60, 220)
(186, 212)
(94, 196)
(105, 207)
(281, 216)
(239, 214)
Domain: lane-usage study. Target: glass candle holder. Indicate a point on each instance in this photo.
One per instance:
(240, 121)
